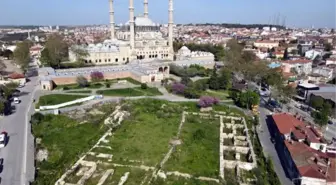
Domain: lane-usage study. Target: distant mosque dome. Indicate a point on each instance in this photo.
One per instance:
(142, 21)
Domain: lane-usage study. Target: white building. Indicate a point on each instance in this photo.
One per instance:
(301, 66)
(312, 54)
(266, 44)
(184, 53)
(139, 38)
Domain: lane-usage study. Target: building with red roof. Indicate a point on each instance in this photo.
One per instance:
(303, 151)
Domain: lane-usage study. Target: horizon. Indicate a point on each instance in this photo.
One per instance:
(185, 12)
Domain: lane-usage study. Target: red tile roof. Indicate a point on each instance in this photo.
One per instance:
(312, 163)
(286, 122)
(16, 76)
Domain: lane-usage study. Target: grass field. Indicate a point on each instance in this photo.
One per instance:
(222, 95)
(131, 92)
(199, 152)
(65, 139)
(54, 99)
(148, 132)
(173, 180)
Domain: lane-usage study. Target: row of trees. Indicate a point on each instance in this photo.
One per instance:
(246, 64)
(6, 92)
(323, 110)
(191, 71)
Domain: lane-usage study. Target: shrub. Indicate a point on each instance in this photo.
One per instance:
(82, 81)
(144, 86)
(66, 88)
(207, 101)
(36, 118)
(178, 88)
(96, 76)
(107, 85)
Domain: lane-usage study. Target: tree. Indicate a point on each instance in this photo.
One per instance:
(96, 76)
(225, 79)
(8, 90)
(57, 51)
(186, 80)
(207, 101)
(2, 107)
(45, 58)
(328, 46)
(332, 31)
(80, 53)
(299, 47)
(144, 86)
(178, 88)
(248, 99)
(22, 55)
(285, 56)
(316, 102)
(321, 117)
(82, 81)
(214, 80)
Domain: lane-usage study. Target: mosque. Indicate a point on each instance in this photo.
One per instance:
(139, 38)
(137, 50)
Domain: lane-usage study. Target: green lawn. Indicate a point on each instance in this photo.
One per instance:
(65, 139)
(84, 92)
(131, 92)
(221, 94)
(146, 135)
(96, 85)
(199, 153)
(173, 180)
(54, 99)
(135, 177)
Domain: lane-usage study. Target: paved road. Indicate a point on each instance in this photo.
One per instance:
(18, 155)
(268, 146)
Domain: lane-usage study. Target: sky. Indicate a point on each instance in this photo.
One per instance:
(297, 13)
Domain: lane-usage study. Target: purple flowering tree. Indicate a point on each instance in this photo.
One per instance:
(207, 101)
(97, 76)
(178, 88)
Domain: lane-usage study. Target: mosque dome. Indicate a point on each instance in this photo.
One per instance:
(142, 21)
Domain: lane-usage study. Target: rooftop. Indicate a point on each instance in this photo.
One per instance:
(311, 163)
(286, 122)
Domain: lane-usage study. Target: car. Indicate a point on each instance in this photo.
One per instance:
(3, 139)
(16, 100)
(272, 140)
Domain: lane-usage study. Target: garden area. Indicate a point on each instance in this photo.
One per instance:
(137, 91)
(54, 99)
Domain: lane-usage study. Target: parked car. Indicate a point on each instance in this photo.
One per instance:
(16, 100)
(3, 139)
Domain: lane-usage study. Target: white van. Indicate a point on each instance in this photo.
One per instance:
(16, 100)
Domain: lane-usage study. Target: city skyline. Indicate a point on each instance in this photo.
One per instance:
(294, 14)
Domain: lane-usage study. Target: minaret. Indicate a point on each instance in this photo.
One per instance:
(131, 21)
(146, 8)
(170, 25)
(112, 20)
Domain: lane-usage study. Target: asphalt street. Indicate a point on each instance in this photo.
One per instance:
(268, 146)
(18, 155)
